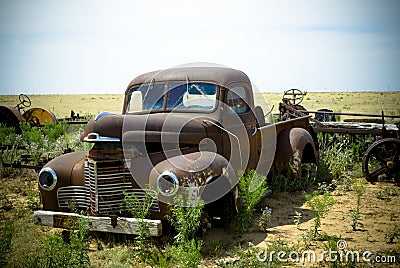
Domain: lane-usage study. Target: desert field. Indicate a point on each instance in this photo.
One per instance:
(347, 102)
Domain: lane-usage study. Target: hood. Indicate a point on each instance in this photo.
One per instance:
(109, 125)
(153, 127)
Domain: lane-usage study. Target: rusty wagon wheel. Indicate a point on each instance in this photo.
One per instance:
(381, 160)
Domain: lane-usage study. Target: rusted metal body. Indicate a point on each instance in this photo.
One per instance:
(39, 117)
(10, 116)
(190, 139)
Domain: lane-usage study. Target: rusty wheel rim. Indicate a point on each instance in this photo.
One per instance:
(381, 160)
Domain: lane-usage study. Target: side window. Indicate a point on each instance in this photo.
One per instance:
(236, 99)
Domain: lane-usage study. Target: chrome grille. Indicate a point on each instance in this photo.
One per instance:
(108, 182)
(77, 196)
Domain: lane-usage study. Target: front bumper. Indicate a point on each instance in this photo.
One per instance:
(113, 224)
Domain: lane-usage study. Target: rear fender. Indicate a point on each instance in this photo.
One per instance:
(295, 146)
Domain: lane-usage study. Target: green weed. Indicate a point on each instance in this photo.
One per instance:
(188, 254)
(358, 187)
(324, 187)
(216, 248)
(387, 193)
(320, 205)
(281, 182)
(186, 220)
(36, 145)
(392, 233)
(333, 162)
(69, 249)
(354, 217)
(5, 203)
(6, 236)
(342, 184)
(251, 186)
(265, 219)
(139, 210)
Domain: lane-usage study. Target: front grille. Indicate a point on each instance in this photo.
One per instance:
(108, 182)
(73, 196)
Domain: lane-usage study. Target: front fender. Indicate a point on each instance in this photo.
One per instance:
(204, 174)
(69, 170)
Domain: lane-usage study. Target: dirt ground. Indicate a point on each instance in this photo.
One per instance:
(379, 212)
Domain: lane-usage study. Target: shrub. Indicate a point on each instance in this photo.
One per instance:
(281, 182)
(252, 187)
(69, 249)
(392, 233)
(265, 219)
(139, 210)
(188, 254)
(359, 188)
(36, 145)
(333, 162)
(6, 236)
(186, 220)
(320, 205)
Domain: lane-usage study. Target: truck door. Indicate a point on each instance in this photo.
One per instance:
(239, 119)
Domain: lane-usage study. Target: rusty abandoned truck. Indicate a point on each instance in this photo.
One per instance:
(183, 131)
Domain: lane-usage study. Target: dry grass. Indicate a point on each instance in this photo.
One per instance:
(61, 105)
(355, 102)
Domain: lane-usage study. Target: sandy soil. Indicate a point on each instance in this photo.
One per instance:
(379, 212)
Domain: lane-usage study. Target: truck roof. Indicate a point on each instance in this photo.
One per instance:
(219, 75)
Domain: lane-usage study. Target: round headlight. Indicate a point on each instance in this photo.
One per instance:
(167, 183)
(47, 179)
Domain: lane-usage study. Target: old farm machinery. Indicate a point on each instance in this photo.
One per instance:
(380, 160)
(13, 116)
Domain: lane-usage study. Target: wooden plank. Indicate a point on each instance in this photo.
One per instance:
(348, 131)
(121, 225)
(351, 114)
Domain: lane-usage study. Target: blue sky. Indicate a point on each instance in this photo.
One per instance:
(53, 46)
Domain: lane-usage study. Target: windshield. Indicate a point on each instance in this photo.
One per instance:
(156, 96)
